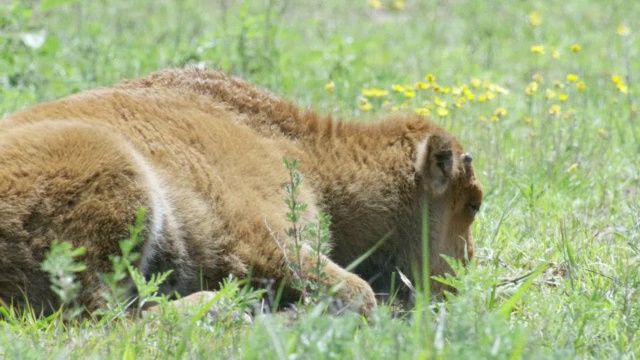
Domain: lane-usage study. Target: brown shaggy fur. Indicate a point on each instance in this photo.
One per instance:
(203, 153)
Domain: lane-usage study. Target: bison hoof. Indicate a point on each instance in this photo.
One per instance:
(354, 294)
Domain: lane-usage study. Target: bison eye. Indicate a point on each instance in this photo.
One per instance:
(474, 207)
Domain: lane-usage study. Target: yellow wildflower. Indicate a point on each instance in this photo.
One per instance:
(555, 110)
(623, 30)
(620, 84)
(555, 54)
(398, 4)
(500, 112)
(500, 90)
(374, 93)
(549, 94)
(537, 78)
(445, 90)
(456, 90)
(430, 78)
(575, 48)
(436, 87)
(460, 102)
(466, 91)
(365, 106)
(602, 132)
(421, 85)
(572, 77)
(623, 88)
(537, 49)
(475, 83)
(443, 112)
(329, 87)
(617, 79)
(534, 19)
(572, 169)
(581, 86)
(531, 88)
(490, 95)
(422, 112)
(558, 84)
(375, 4)
(563, 97)
(397, 88)
(409, 94)
(483, 118)
(482, 98)
(470, 96)
(439, 102)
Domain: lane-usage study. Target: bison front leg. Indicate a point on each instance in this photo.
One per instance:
(302, 264)
(355, 292)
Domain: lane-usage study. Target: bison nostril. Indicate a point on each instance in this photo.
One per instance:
(467, 158)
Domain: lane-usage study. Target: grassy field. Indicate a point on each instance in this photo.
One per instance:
(543, 93)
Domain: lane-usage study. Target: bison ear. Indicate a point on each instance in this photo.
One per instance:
(435, 162)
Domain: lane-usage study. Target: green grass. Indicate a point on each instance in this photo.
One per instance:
(561, 185)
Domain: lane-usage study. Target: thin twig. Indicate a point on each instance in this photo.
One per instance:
(515, 280)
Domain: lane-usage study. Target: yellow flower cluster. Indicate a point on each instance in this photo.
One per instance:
(549, 94)
(557, 94)
(618, 81)
(540, 49)
(555, 111)
(429, 98)
(370, 93)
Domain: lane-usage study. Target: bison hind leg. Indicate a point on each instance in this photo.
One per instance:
(67, 181)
